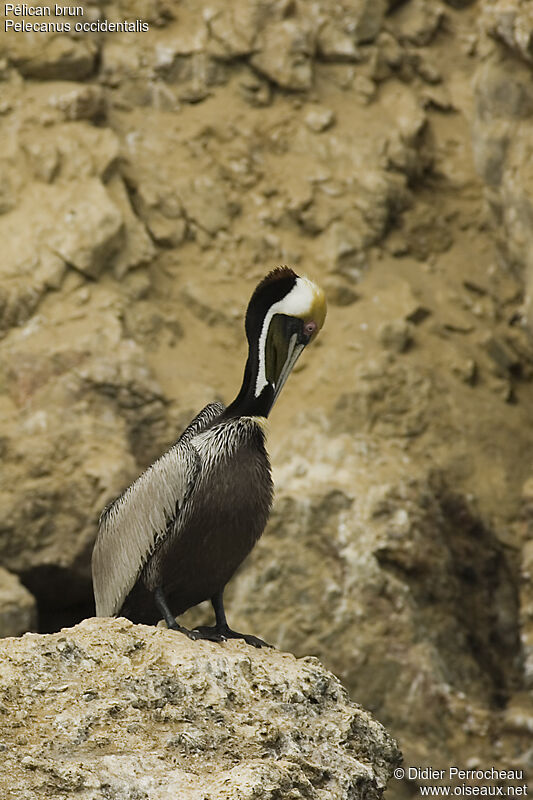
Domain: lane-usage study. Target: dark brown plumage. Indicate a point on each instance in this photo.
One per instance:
(236, 496)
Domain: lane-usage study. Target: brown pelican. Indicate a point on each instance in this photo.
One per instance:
(176, 536)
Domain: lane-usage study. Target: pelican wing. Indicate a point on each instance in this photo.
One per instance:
(132, 525)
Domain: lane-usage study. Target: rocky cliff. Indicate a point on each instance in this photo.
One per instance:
(147, 181)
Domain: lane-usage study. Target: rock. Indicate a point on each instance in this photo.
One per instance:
(459, 3)
(340, 295)
(417, 22)
(138, 247)
(391, 399)
(365, 89)
(71, 152)
(319, 119)
(425, 232)
(195, 300)
(162, 212)
(342, 246)
(79, 102)
(42, 56)
(18, 609)
(206, 204)
(511, 21)
(395, 335)
(89, 227)
(345, 26)
(145, 324)
(232, 29)
(389, 56)
(130, 710)
(502, 130)
(335, 44)
(501, 92)
(75, 224)
(284, 54)
(369, 16)
(118, 62)
(9, 187)
(505, 359)
(25, 282)
(256, 90)
(527, 607)
(466, 370)
(29, 265)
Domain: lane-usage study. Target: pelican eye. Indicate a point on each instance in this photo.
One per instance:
(310, 328)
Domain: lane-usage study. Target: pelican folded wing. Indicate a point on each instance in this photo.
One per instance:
(134, 524)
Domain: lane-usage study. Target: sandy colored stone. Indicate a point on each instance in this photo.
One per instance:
(511, 21)
(418, 21)
(320, 119)
(502, 128)
(74, 224)
(48, 57)
(88, 228)
(79, 101)
(232, 28)
(137, 248)
(70, 151)
(395, 335)
(110, 709)
(335, 44)
(18, 609)
(285, 54)
(527, 605)
(206, 204)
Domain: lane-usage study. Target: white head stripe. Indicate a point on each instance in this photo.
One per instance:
(298, 303)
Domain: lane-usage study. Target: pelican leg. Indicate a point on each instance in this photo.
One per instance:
(168, 616)
(221, 629)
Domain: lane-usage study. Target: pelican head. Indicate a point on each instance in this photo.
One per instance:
(284, 315)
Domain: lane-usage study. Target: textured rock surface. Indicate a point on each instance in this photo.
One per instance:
(147, 182)
(18, 609)
(503, 125)
(382, 564)
(109, 710)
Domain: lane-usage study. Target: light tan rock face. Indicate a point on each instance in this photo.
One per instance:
(503, 126)
(401, 575)
(147, 182)
(110, 710)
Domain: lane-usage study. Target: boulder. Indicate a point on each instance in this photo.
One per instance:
(111, 709)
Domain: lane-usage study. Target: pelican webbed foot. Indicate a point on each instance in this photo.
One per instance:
(221, 630)
(221, 633)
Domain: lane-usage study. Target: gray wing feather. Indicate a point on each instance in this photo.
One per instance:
(132, 526)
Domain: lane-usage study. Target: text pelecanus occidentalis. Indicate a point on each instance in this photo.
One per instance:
(176, 536)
